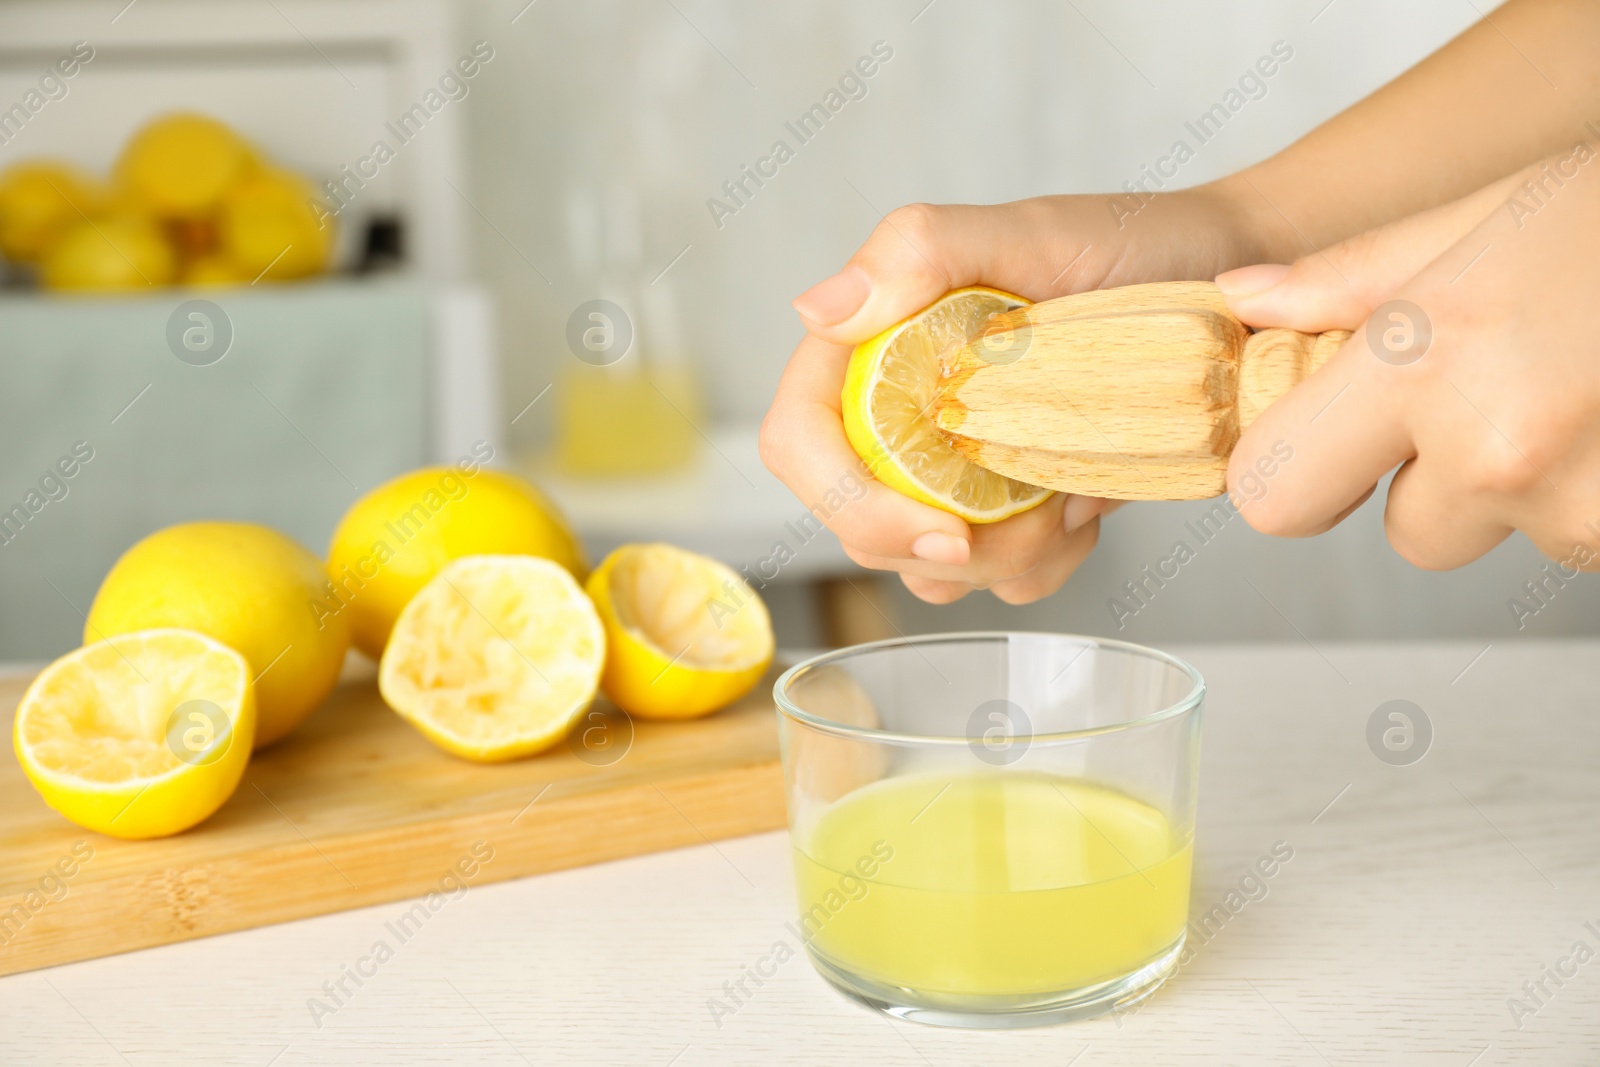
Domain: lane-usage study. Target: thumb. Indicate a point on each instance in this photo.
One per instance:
(920, 252)
(914, 256)
(1338, 287)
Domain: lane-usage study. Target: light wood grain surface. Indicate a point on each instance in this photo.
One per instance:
(356, 807)
(1419, 899)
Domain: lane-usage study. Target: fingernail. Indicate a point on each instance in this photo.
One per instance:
(1079, 510)
(835, 299)
(1248, 281)
(941, 548)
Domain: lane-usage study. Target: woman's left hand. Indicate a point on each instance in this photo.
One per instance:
(1474, 368)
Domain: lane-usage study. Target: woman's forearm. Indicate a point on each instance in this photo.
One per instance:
(1520, 84)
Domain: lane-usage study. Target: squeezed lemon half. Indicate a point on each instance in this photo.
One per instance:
(495, 658)
(687, 634)
(141, 735)
(397, 537)
(887, 408)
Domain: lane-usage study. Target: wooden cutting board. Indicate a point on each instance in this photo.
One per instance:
(357, 808)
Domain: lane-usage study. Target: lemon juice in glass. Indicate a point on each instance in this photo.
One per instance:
(992, 830)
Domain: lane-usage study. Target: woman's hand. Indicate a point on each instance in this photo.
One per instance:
(1475, 367)
(1036, 248)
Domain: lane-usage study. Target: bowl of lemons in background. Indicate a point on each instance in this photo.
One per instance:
(189, 202)
(209, 640)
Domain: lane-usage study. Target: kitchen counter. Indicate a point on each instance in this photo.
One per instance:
(1418, 901)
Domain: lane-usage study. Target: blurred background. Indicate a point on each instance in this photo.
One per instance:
(529, 226)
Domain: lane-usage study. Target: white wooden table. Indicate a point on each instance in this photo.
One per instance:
(1419, 899)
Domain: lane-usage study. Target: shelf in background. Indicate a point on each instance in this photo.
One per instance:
(725, 505)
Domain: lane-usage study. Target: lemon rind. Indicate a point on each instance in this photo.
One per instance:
(886, 455)
(688, 663)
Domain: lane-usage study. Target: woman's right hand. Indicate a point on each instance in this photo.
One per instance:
(1039, 248)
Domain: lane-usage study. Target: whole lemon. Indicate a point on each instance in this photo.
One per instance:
(39, 199)
(250, 587)
(396, 538)
(213, 271)
(269, 225)
(109, 254)
(180, 165)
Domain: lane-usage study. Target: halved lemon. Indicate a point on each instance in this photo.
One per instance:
(687, 634)
(140, 735)
(495, 658)
(888, 416)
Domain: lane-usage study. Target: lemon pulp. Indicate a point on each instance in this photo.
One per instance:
(95, 731)
(887, 407)
(495, 658)
(687, 635)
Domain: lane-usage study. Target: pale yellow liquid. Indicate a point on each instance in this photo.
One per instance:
(621, 422)
(998, 884)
